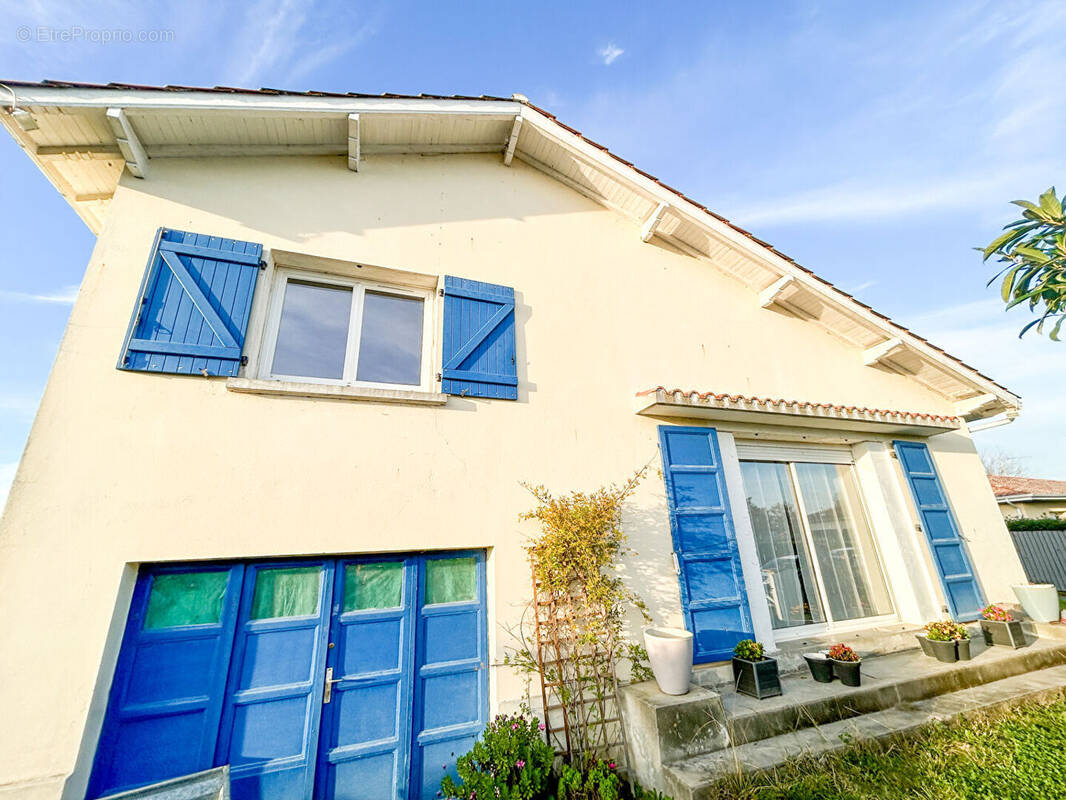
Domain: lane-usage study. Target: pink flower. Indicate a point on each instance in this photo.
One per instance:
(514, 726)
(541, 726)
(610, 765)
(520, 763)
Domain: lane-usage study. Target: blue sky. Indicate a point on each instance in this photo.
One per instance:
(875, 143)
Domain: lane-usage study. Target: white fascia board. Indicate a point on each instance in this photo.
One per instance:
(133, 99)
(698, 216)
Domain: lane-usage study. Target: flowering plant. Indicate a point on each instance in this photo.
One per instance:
(748, 650)
(509, 761)
(841, 652)
(946, 631)
(996, 614)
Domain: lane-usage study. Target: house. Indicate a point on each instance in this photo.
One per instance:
(267, 512)
(1029, 498)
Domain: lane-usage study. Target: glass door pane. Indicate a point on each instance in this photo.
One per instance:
(843, 544)
(784, 559)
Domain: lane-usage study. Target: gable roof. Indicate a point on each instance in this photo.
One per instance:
(1004, 486)
(83, 135)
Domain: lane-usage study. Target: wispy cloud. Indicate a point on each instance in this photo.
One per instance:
(65, 296)
(609, 53)
(860, 287)
(295, 38)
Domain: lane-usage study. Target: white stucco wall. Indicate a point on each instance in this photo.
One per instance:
(127, 467)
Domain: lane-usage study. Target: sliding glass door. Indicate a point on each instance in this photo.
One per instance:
(816, 552)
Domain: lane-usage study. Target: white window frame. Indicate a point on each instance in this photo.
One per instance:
(814, 455)
(359, 288)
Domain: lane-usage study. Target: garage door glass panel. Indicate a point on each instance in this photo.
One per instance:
(286, 592)
(373, 585)
(450, 580)
(185, 598)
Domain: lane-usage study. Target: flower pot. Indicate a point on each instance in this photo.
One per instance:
(927, 647)
(1003, 634)
(962, 647)
(821, 667)
(848, 672)
(756, 678)
(670, 656)
(945, 651)
(1039, 600)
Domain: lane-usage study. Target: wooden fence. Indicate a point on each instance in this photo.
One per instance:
(1043, 555)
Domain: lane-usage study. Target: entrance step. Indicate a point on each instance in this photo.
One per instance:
(664, 731)
(693, 778)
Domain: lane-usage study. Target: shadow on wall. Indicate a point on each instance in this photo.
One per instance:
(649, 571)
(306, 197)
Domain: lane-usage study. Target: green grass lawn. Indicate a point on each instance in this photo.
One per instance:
(1020, 755)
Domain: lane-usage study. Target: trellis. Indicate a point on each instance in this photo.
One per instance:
(576, 660)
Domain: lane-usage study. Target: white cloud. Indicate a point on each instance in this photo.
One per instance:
(7, 475)
(65, 296)
(610, 53)
(860, 287)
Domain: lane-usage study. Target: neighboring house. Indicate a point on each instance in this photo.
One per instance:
(267, 512)
(1029, 498)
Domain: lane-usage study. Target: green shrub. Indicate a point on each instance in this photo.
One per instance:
(1036, 524)
(749, 650)
(601, 782)
(509, 761)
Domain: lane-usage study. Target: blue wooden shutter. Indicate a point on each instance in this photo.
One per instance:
(713, 597)
(956, 572)
(479, 340)
(192, 312)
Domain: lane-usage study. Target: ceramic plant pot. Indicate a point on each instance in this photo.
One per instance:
(1039, 600)
(756, 679)
(849, 672)
(927, 646)
(1003, 634)
(670, 656)
(821, 667)
(962, 647)
(945, 651)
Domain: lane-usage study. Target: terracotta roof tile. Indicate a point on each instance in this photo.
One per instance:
(784, 405)
(1007, 485)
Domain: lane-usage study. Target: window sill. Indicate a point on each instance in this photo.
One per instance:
(331, 392)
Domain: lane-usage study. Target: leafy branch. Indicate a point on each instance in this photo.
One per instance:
(1033, 252)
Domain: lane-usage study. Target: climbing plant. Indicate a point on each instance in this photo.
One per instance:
(577, 646)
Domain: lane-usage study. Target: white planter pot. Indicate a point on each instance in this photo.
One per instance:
(1039, 600)
(670, 654)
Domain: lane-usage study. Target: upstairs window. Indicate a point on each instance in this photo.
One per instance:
(326, 329)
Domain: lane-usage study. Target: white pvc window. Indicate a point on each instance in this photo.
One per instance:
(817, 557)
(326, 329)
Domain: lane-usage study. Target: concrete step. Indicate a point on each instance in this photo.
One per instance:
(694, 778)
(887, 681)
(662, 729)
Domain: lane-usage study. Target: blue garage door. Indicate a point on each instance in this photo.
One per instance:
(347, 679)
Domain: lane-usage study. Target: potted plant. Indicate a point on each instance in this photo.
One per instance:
(923, 639)
(962, 642)
(821, 667)
(846, 664)
(1000, 628)
(942, 637)
(755, 673)
(670, 656)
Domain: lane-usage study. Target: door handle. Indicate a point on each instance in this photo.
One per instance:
(327, 692)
